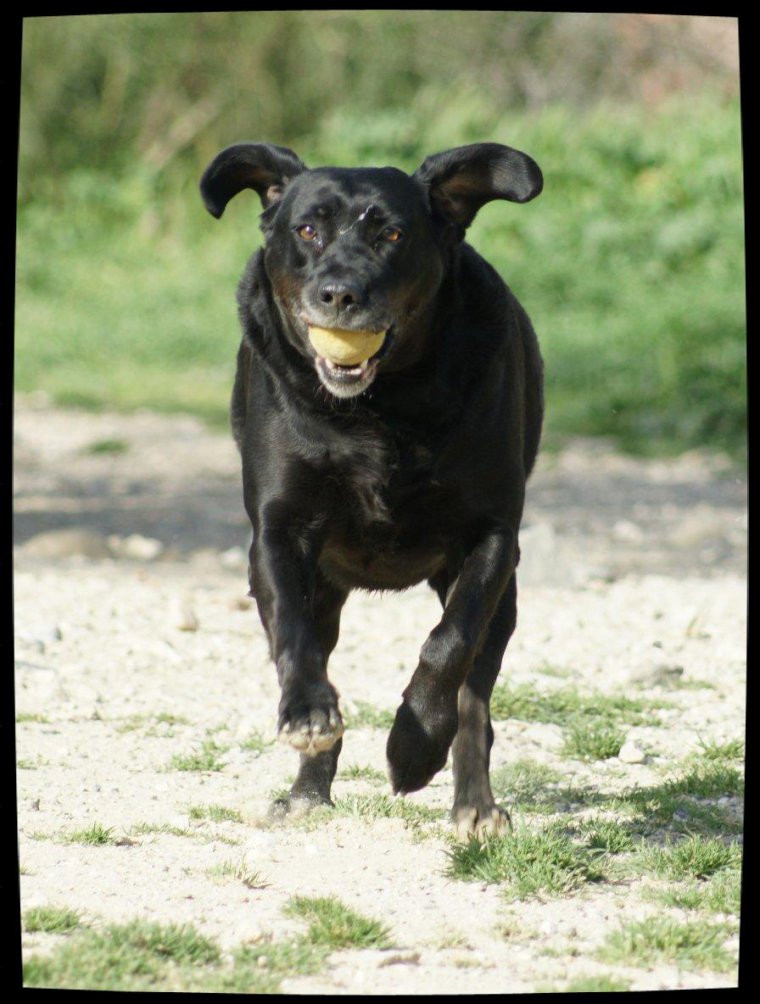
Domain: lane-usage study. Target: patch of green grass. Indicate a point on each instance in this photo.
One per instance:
(95, 835)
(366, 716)
(593, 740)
(719, 894)
(151, 722)
(527, 863)
(334, 925)
(238, 871)
(595, 985)
(386, 807)
(357, 772)
(216, 813)
(608, 835)
(681, 801)
(523, 782)
(261, 967)
(697, 945)
(256, 743)
(204, 759)
(108, 446)
(51, 920)
(169, 718)
(567, 706)
(691, 858)
(24, 764)
(146, 829)
(135, 956)
(728, 751)
(24, 716)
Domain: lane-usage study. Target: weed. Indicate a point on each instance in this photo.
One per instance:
(238, 872)
(522, 781)
(204, 759)
(596, 985)
(567, 706)
(697, 945)
(528, 863)
(355, 772)
(216, 813)
(691, 858)
(370, 717)
(108, 446)
(51, 920)
(719, 894)
(607, 835)
(132, 956)
(261, 967)
(334, 925)
(589, 740)
(256, 743)
(96, 835)
(147, 829)
(731, 750)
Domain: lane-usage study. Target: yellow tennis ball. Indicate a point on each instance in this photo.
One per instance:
(345, 348)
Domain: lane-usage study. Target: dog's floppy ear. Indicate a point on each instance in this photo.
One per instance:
(461, 180)
(261, 166)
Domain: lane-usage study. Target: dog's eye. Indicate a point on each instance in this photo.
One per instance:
(392, 234)
(306, 232)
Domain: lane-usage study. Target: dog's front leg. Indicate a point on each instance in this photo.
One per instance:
(427, 720)
(300, 614)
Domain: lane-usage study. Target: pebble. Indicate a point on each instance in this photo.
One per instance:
(135, 547)
(64, 543)
(184, 616)
(631, 753)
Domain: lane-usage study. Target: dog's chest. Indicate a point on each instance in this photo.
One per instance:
(386, 529)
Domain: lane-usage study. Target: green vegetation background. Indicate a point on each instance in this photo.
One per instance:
(631, 262)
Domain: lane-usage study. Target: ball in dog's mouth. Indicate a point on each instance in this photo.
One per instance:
(347, 360)
(343, 347)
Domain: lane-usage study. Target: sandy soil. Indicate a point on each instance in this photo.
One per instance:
(130, 607)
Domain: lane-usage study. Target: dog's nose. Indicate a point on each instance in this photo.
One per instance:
(341, 295)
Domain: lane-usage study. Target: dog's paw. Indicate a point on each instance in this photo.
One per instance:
(295, 806)
(480, 822)
(309, 719)
(418, 745)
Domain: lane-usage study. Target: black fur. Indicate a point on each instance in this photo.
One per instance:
(409, 468)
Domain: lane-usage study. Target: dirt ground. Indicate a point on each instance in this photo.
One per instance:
(135, 642)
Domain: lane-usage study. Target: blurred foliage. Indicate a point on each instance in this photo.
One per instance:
(631, 263)
(109, 91)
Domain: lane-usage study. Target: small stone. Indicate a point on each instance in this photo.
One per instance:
(184, 615)
(63, 543)
(135, 547)
(631, 753)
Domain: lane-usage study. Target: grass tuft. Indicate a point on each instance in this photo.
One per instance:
(527, 863)
(698, 945)
(50, 920)
(334, 925)
(206, 758)
(691, 858)
(133, 956)
(96, 835)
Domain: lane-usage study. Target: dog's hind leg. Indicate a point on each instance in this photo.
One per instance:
(475, 812)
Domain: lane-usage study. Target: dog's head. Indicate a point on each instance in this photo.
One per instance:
(356, 256)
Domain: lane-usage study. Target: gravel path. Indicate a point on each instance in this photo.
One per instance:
(136, 643)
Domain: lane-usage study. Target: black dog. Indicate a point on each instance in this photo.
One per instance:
(388, 405)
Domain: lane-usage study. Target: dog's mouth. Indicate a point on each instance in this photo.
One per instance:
(347, 360)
